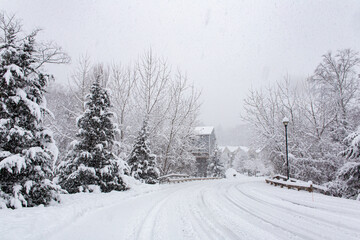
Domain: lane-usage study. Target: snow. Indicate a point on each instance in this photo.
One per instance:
(18, 198)
(28, 184)
(233, 148)
(203, 130)
(13, 161)
(8, 74)
(4, 121)
(245, 149)
(83, 168)
(105, 170)
(285, 120)
(241, 208)
(34, 108)
(16, 130)
(221, 148)
(53, 149)
(99, 146)
(33, 152)
(231, 173)
(4, 154)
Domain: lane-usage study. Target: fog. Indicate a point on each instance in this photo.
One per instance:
(225, 47)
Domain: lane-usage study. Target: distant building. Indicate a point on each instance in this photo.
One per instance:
(205, 143)
(232, 156)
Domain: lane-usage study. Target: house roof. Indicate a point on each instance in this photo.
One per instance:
(203, 130)
(233, 149)
(221, 148)
(245, 149)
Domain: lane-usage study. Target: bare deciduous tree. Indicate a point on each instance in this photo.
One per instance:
(122, 84)
(336, 75)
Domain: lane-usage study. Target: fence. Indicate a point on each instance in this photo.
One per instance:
(178, 178)
(279, 180)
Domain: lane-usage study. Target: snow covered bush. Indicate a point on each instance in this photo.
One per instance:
(91, 162)
(347, 182)
(318, 170)
(231, 173)
(141, 161)
(27, 149)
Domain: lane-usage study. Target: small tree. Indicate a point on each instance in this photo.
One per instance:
(216, 168)
(91, 164)
(27, 148)
(142, 163)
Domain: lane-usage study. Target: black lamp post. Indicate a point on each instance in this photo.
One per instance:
(286, 122)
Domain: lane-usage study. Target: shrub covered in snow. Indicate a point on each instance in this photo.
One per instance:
(27, 149)
(231, 173)
(91, 161)
(141, 161)
(347, 182)
(319, 171)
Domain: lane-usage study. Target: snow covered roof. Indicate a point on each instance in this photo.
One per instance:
(233, 149)
(221, 148)
(245, 149)
(203, 130)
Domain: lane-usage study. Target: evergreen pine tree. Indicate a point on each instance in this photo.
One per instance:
(142, 163)
(91, 163)
(216, 168)
(27, 149)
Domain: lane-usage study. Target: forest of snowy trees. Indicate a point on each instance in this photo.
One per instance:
(110, 123)
(113, 123)
(148, 89)
(324, 118)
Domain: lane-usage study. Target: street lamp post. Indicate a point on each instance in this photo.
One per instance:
(286, 122)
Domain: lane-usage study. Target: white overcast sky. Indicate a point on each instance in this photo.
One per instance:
(225, 47)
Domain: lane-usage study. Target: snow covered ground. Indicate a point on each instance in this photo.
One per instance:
(243, 208)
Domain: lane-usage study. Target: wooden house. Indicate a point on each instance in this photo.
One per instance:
(205, 143)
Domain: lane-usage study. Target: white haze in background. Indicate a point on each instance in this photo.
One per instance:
(225, 47)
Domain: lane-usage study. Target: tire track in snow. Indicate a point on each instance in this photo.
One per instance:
(240, 225)
(146, 229)
(201, 226)
(209, 225)
(310, 217)
(270, 222)
(206, 209)
(299, 221)
(213, 210)
(147, 225)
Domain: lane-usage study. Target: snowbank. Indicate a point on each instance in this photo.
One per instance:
(40, 222)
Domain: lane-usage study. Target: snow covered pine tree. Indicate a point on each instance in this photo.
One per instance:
(27, 149)
(142, 163)
(216, 168)
(91, 165)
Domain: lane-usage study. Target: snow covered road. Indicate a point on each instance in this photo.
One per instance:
(245, 208)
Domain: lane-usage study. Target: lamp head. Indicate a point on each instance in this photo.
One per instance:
(285, 121)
